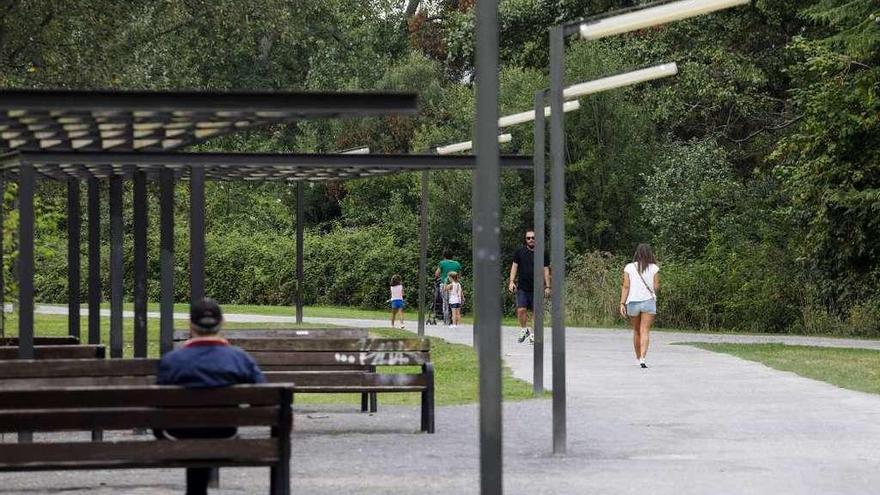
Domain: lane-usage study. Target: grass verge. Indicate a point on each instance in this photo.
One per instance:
(854, 369)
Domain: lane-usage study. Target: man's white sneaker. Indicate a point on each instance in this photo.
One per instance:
(523, 335)
(532, 339)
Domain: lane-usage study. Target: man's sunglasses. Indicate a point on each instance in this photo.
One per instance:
(530, 238)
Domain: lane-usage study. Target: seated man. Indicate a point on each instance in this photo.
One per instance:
(205, 361)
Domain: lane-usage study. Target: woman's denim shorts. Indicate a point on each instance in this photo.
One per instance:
(649, 306)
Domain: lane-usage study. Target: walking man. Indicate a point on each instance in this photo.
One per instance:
(445, 266)
(522, 276)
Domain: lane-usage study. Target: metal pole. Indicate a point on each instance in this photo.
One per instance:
(26, 262)
(2, 255)
(140, 264)
(166, 261)
(300, 226)
(539, 184)
(94, 207)
(116, 266)
(423, 250)
(197, 234)
(73, 258)
(557, 235)
(487, 268)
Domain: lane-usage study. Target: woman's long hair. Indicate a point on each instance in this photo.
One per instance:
(644, 256)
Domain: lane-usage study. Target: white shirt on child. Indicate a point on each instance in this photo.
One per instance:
(455, 293)
(397, 293)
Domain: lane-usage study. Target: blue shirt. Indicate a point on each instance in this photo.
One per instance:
(208, 362)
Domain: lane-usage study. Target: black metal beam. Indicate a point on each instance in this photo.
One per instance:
(140, 263)
(423, 250)
(116, 267)
(197, 234)
(26, 181)
(2, 255)
(487, 267)
(557, 235)
(538, 296)
(166, 262)
(220, 162)
(300, 226)
(94, 207)
(73, 258)
(274, 104)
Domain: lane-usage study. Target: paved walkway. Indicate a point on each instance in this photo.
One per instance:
(695, 422)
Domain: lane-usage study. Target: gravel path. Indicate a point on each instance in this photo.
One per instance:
(695, 422)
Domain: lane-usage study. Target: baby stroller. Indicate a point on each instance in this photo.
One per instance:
(435, 305)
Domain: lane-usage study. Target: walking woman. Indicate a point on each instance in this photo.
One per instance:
(638, 298)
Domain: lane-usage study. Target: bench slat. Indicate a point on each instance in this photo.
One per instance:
(366, 381)
(66, 340)
(334, 345)
(39, 368)
(129, 417)
(85, 455)
(341, 357)
(56, 352)
(286, 333)
(75, 381)
(152, 396)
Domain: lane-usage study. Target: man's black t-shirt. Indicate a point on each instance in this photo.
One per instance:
(525, 272)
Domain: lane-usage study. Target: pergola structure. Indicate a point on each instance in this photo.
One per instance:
(48, 138)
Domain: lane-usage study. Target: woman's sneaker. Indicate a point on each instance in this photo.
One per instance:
(523, 335)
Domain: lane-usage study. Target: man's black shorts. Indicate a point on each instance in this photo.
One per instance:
(524, 299)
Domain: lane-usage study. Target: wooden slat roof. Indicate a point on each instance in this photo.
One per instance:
(57, 120)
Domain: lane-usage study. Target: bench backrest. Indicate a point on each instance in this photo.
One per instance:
(57, 352)
(43, 373)
(123, 408)
(286, 333)
(293, 354)
(65, 340)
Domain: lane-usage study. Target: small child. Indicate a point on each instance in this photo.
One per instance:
(456, 298)
(396, 300)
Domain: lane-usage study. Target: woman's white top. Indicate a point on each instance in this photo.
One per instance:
(455, 293)
(638, 291)
(397, 293)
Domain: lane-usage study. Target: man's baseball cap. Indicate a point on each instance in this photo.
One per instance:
(206, 315)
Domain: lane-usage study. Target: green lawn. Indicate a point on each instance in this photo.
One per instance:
(854, 369)
(455, 365)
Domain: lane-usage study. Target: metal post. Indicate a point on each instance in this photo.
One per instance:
(94, 207)
(166, 260)
(26, 262)
(73, 258)
(539, 184)
(300, 225)
(2, 255)
(140, 264)
(197, 234)
(423, 250)
(116, 266)
(487, 248)
(557, 235)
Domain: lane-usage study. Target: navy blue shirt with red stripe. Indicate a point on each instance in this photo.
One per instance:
(208, 362)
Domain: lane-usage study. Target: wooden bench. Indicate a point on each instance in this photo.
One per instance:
(54, 373)
(368, 400)
(65, 340)
(348, 365)
(126, 408)
(64, 351)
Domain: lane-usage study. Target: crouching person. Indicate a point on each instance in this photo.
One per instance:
(205, 361)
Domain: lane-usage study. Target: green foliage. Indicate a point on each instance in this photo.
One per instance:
(689, 190)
